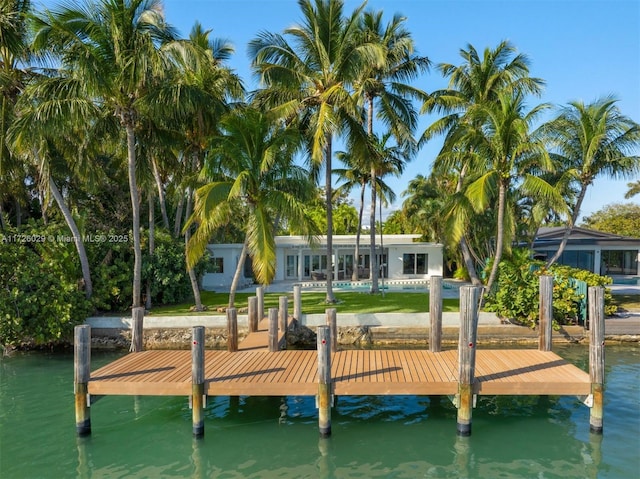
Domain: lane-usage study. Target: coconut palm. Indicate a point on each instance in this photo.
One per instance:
(592, 140)
(14, 54)
(383, 85)
(201, 87)
(478, 80)
(504, 151)
(251, 170)
(112, 49)
(307, 73)
(356, 174)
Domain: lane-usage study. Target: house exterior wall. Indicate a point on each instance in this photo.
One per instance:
(297, 261)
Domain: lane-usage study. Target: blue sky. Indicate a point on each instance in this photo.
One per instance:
(583, 49)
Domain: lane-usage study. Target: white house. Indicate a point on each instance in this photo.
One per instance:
(403, 257)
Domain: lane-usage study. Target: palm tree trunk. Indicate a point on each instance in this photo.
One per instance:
(177, 224)
(82, 252)
(195, 287)
(499, 237)
(373, 260)
(236, 276)
(135, 205)
(161, 196)
(567, 231)
(381, 251)
(3, 226)
(356, 262)
(152, 244)
(329, 193)
(467, 257)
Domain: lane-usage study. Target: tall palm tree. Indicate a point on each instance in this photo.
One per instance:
(14, 54)
(593, 140)
(113, 49)
(251, 167)
(478, 80)
(384, 85)
(356, 174)
(309, 78)
(498, 135)
(202, 87)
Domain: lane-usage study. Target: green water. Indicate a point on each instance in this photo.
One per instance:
(395, 437)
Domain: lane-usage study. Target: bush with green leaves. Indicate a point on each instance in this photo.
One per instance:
(165, 271)
(518, 287)
(41, 297)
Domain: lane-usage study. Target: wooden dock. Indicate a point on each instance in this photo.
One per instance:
(353, 372)
(259, 367)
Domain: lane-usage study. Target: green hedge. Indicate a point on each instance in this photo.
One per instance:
(516, 295)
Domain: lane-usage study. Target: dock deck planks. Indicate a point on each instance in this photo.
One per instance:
(355, 372)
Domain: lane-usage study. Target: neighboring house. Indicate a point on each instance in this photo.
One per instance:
(602, 253)
(403, 258)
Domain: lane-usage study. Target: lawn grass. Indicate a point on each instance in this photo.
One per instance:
(312, 303)
(627, 302)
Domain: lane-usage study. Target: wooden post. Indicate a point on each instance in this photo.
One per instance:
(283, 313)
(137, 321)
(260, 295)
(197, 381)
(324, 381)
(252, 314)
(232, 330)
(435, 314)
(297, 302)
(545, 320)
(596, 356)
(466, 357)
(332, 322)
(273, 330)
(81, 375)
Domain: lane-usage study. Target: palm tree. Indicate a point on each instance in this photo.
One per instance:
(477, 80)
(309, 79)
(112, 49)
(251, 168)
(592, 140)
(202, 86)
(384, 85)
(498, 137)
(356, 174)
(14, 52)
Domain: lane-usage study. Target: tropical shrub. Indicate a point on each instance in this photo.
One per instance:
(41, 298)
(518, 287)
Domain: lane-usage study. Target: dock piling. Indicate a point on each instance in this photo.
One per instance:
(435, 314)
(252, 314)
(232, 330)
(82, 374)
(137, 335)
(596, 356)
(273, 330)
(324, 380)
(283, 313)
(197, 379)
(297, 302)
(332, 322)
(545, 318)
(260, 296)
(466, 357)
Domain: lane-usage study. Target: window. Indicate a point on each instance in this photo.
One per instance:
(216, 265)
(619, 262)
(415, 263)
(581, 259)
